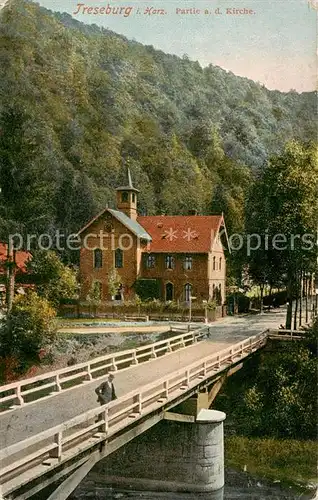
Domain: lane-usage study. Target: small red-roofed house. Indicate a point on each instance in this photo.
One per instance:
(21, 259)
(183, 253)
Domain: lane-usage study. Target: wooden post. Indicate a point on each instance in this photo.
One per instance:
(57, 452)
(19, 395)
(58, 383)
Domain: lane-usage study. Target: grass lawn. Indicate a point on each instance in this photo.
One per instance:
(290, 461)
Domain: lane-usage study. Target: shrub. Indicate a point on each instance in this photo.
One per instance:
(55, 281)
(25, 332)
(147, 289)
(241, 300)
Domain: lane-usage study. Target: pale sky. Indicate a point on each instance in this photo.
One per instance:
(275, 45)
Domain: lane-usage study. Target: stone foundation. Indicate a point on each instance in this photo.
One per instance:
(172, 456)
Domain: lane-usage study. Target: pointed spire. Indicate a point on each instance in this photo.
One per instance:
(129, 178)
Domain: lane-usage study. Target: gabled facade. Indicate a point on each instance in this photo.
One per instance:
(183, 253)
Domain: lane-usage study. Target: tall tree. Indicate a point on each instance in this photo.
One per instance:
(25, 187)
(283, 211)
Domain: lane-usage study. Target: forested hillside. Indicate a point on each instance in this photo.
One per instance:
(87, 99)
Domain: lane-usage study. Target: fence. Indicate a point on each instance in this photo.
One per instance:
(30, 390)
(122, 311)
(64, 442)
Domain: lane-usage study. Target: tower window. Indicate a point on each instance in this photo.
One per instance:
(187, 292)
(124, 197)
(119, 258)
(133, 197)
(98, 258)
(187, 263)
(169, 260)
(150, 261)
(220, 264)
(214, 263)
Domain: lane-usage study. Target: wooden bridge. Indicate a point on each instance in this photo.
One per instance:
(52, 428)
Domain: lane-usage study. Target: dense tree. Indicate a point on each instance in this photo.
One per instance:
(282, 213)
(53, 279)
(25, 185)
(108, 98)
(24, 333)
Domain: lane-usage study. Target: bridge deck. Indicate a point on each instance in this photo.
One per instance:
(41, 415)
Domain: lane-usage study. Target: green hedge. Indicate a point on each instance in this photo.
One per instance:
(240, 300)
(147, 289)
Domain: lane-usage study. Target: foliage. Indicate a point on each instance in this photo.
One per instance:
(25, 332)
(94, 294)
(240, 300)
(55, 281)
(276, 299)
(114, 282)
(282, 211)
(276, 392)
(147, 289)
(109, 98)
(22, 175)
(286, 460)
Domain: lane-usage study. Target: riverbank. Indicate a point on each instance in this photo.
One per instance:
(286, 461)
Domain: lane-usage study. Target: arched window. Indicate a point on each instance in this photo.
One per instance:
(187, 263)
(213, 263)
(98, 258)
(220, 264)
(219, 295)
(169, 291)
(187, 292)
(124, 197)
(169, 260)
(119, 258)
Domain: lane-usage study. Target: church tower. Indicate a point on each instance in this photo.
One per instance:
(127, 198)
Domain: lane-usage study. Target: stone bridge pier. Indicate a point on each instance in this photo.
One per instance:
(185, 454)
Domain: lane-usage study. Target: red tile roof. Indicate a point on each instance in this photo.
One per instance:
(21, 258)
(181, 234)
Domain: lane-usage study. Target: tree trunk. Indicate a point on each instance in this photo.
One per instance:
(262, 297)
(295, 313)
(307, 283)
(10, 281)
(300, 298)
(289, 304)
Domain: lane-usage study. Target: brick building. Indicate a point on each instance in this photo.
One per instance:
(182, 254)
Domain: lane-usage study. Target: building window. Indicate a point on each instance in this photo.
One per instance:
(187, 264)
(169, 260)
(169, 291)
(150, 261)
(124, 197)
(220, 264)
(187, 292)
(219, 296)
(119, 258)
(98, 258)
(213, 263)
(133, 197)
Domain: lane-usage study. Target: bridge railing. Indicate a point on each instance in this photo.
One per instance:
(50, 448)
(287, 334)
(49, 384)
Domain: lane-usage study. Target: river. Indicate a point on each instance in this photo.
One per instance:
(238, 486)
